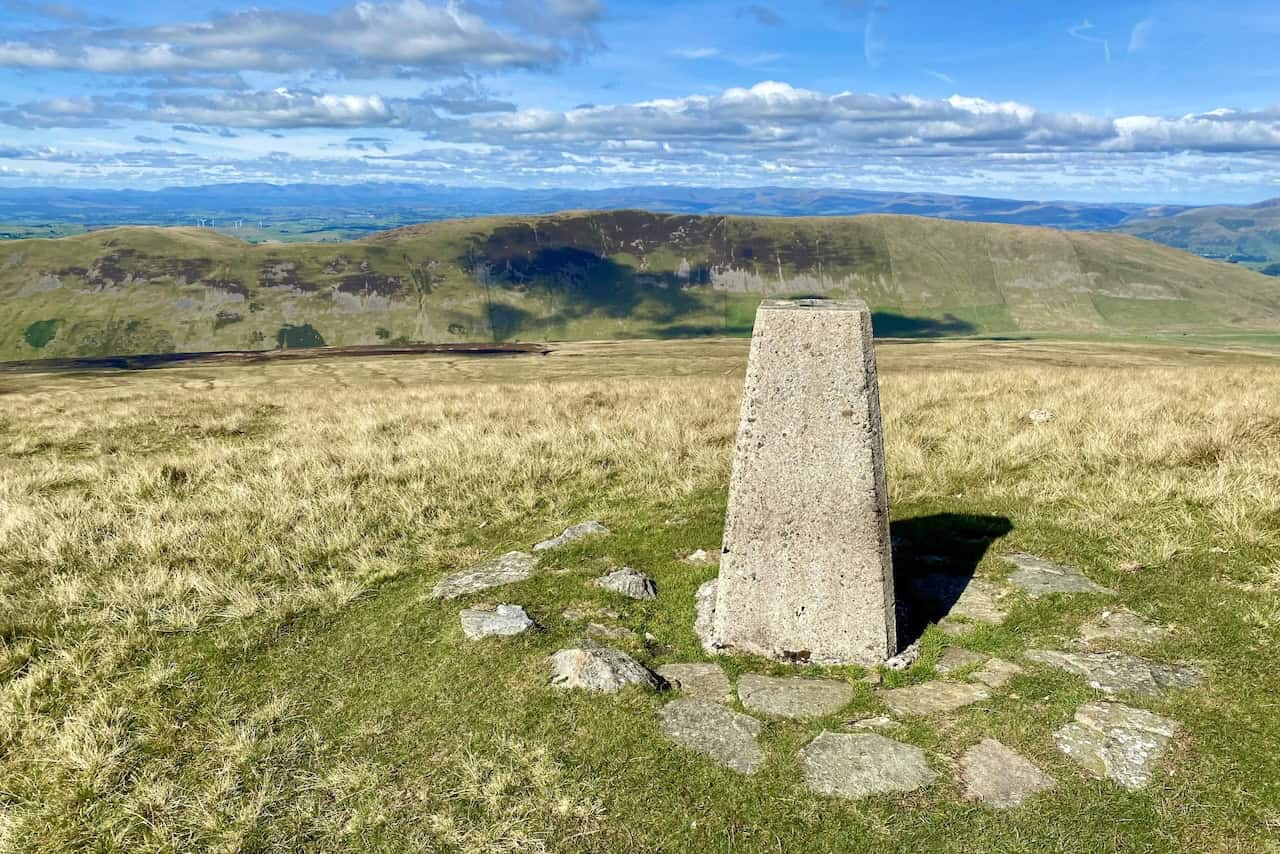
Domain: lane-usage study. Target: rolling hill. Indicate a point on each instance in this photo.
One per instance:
(1244, 234)
(600, 275)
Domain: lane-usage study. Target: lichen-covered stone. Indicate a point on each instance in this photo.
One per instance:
(699, 680)
(601, 669)
(855, 765)
(999, 777)
(932, 698)
(705, 616)
(1116, 741)
(957, 658)
(1122, 625)
(726, 736)
(792, 696)
(631, 583)
(1119, 672)
(505, 621)
(573, 532)
(996, 673)
(1039, 577)
(505, 569)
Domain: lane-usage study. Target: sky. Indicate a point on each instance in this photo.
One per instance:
(1095, 101)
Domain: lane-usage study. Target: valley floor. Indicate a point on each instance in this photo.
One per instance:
(216, 630)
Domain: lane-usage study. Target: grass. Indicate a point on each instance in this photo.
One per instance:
(216, 633)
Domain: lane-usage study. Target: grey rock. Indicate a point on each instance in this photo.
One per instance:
(701, 557)
(1117, 741)
(874, 722)
(1122, 625)
(726, 736)
(1039, 416)
(954, 628)
(1038, 577)
(909, 656)
(793, 697)
(600, 630)
(996, 673)
(957, 658)
(705, 619)
(1117, 672)
(998, 776)
(505, 621)
(573, 532)
(854, 765)
(933, 697)
(806, 571)
(699, 681)
(629, 582)
(601, 669)
(506, 569)
(964, 596)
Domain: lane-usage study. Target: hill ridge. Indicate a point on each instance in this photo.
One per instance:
(600, 274)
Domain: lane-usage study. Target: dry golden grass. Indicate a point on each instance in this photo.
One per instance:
(153, 522)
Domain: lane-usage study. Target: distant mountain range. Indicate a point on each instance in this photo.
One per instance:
(613, 274)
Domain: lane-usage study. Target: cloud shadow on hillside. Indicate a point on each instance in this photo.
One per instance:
(934, 561)
(887, 324)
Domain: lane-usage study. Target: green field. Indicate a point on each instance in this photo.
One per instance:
(604, 275)
(215, 629)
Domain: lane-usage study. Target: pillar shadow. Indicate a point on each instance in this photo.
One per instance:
(934, 560)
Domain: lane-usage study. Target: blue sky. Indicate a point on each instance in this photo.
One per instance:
(1137, 101)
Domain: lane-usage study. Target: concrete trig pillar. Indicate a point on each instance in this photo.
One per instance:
(807, 573)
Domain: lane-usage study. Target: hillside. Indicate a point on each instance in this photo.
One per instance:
(600, 275)
(1245, 234)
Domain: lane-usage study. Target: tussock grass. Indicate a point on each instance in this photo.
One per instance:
(213, 634)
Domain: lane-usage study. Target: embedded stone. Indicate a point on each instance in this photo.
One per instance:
(573, 532)
(1039, 416)
(932, 698)
(998, 776)
(1039, 577)
(505, 621)
(601, 669)
(599, 630)
(700, 557)
(957, 658)
(1118, 672)
(725, 736)
(874, 722)
(506, 569)
(1122, 626)
(961, 596)
(792, 696)
(698, 680)
(996, 673)
(806, 572)
(855, 765)
(1116, 741)
(630, 583)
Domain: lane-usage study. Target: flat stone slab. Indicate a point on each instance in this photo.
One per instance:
(601, 669)
(1122, 625)
(957, 658)
(932, 698)
(1117, 672)
(705, 615)
(600, 630)
(503, 621)
(573, 532)
(961, 596)
(726, 736)
(505, 569)
(1117, 742)
(999, 777)
(855, 765)
(631, 583)
(701, 557)
(699, 681)
(1039, 577)
(874, 722)
(996, 673)
(792, 696)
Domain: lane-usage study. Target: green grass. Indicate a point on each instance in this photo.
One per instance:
(217, 633)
